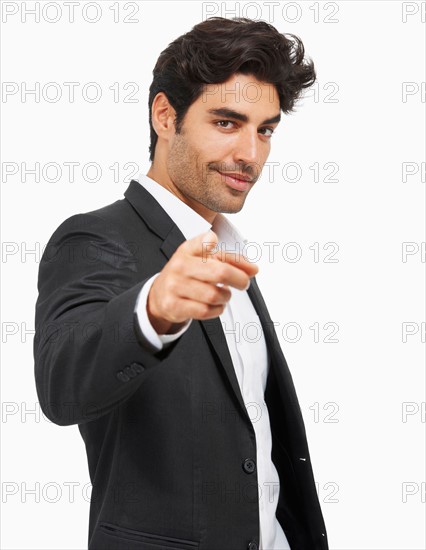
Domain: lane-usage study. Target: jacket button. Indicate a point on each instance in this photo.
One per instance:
(122, 377)
(252, 545)
(130, 371)
(249, 466)
(137, 367)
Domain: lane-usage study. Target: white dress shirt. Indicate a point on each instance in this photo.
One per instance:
(247, 348)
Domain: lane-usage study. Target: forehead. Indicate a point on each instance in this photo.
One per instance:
(241, 92)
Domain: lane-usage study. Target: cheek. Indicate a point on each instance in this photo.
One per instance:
(264, 152)
(210, 150)
(216, 148)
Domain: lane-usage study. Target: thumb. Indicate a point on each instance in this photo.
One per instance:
(209, 242)
(203, 244)
(209, 239)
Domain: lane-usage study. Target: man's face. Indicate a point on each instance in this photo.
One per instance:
(213, 143)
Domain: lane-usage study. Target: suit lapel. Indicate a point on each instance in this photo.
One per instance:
(212, 327)
(160, 222)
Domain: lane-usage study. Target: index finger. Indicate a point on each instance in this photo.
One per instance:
(234, 258)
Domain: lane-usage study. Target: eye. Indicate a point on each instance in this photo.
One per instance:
(226, 122)
(270, 129)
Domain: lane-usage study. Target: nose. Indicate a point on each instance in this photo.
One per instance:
(247, 147)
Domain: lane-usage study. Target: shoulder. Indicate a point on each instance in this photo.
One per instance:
(109, 220)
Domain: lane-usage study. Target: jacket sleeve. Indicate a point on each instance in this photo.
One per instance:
(88, 354)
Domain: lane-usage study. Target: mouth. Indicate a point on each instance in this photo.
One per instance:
(238, 182)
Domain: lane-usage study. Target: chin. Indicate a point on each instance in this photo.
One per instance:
(232, 209)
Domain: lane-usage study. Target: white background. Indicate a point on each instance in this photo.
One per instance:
(368, 457)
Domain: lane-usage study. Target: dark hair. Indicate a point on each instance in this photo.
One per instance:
(217, 48)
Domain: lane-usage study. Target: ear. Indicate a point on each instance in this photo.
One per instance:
(162, 116)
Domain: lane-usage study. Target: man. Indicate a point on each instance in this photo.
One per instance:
(193, 431)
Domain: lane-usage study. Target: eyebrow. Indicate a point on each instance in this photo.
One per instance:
(240, 116)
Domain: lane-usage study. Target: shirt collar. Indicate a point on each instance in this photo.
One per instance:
(188, 220)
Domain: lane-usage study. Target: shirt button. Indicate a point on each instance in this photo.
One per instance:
(249, 465)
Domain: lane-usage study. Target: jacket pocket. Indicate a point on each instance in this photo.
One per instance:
(149, 540)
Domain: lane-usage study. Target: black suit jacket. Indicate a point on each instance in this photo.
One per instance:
(167, 433)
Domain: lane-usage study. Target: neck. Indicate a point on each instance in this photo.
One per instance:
(166, 182)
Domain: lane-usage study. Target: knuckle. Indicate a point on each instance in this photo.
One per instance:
(213, 294)
(204, 309)
(172, 317)
(169, 303)
(222, 271)
(171, 286)
(178, 263)
(227, 296)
